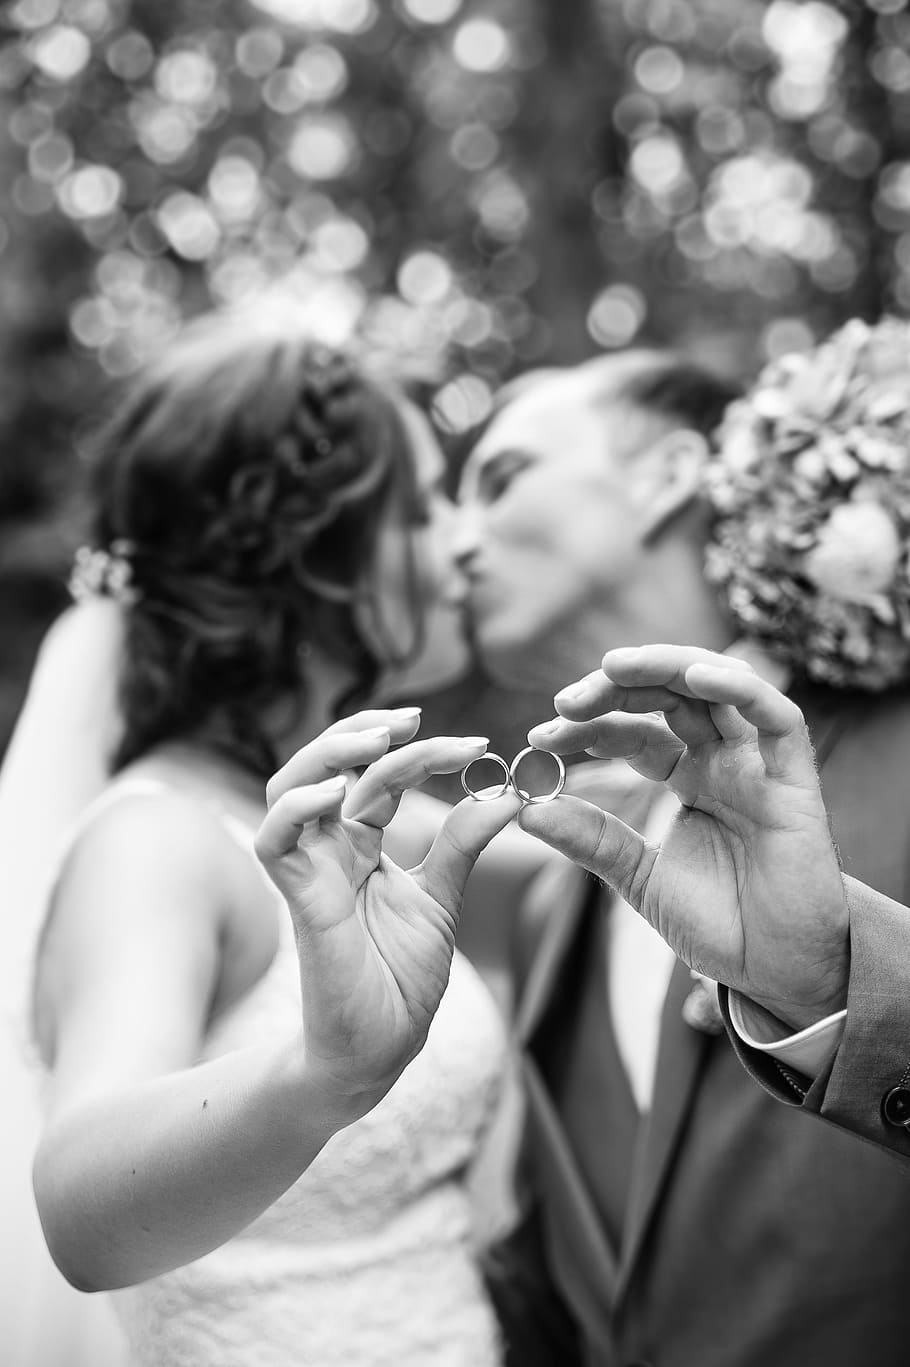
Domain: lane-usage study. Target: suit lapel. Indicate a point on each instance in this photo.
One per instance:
(565, 893)
(580, 1249)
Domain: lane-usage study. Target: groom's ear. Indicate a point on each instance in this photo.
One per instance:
(667, 477)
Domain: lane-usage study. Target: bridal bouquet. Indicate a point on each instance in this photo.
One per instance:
(810, 484)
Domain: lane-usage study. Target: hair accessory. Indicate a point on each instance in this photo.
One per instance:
(810, 484)
(487, 795)
(103, 573)
(511, 777)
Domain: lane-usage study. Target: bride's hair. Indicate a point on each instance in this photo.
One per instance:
(245, 477)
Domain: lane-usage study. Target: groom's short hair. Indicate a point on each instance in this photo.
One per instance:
(669, 388)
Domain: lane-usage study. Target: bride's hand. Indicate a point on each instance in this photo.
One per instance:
(374, 942)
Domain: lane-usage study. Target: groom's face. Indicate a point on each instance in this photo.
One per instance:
(548, 537)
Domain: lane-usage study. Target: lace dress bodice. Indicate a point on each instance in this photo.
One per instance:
(369, 1258)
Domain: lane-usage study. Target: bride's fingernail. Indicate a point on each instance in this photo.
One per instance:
(408, 711)
(375, 733)
(474, 741)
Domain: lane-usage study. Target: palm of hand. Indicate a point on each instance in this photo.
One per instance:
(733, 865)
(375, 949)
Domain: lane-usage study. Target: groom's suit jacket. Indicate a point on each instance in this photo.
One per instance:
(723, 1230)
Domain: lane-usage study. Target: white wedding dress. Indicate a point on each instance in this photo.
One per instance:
(370, 1257)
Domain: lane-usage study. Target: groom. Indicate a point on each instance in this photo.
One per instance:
(674, 1214)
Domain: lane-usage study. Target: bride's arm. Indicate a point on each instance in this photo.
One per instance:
(148, 1159)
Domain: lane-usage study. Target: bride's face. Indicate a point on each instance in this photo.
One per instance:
(437, 590)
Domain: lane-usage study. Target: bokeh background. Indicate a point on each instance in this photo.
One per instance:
(489, 185)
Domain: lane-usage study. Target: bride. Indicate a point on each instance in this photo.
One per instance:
(232, 1143)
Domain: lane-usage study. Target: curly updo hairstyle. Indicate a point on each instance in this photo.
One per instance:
(248, 474)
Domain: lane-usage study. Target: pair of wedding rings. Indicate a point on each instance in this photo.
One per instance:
(510, 780)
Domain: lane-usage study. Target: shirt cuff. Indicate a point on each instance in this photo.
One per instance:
(808, 1051)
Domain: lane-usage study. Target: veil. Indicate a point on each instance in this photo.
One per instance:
(55, 766)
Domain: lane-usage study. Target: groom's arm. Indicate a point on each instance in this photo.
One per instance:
(865, 1086)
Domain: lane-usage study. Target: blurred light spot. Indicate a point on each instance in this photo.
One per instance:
(719, 130)
(657, 163)
(671, 20)
(692, 239)
(322, 148)
(502, 207)
(468, 321)
(34, 13)
(784, 336)
(238, 277)
(837, 271)
(349, 16)
(234, 188)
(462, 403)
(475, 146)
(344, 16)
(431, 11)
(130, 56)
(165, 132)
(481, 45)
(321, 71)
(891, 68)
(92, 322)
(283, 91)
(803, 29)
(61, 52)
(659, 70)
(341, 244)
(90, 192)
(188, 225)
(894, 186)
(258, 51)
(424, 278)
(185, 77)
(50, 157)
(806, 39)
(616, 315)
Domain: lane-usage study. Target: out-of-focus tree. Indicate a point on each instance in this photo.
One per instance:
(492, 184)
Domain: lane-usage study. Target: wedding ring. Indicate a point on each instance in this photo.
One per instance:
(540, 797)
(487, 795)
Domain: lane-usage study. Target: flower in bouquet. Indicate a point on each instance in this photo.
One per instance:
(810, 485)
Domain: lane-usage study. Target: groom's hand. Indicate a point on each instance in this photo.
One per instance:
(746, 885)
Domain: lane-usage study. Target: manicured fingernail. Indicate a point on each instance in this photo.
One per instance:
(408, 711)
(475, 741)
(376, 733)
(332, 784)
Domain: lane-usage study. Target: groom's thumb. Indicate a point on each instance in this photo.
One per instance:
(594, 839)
